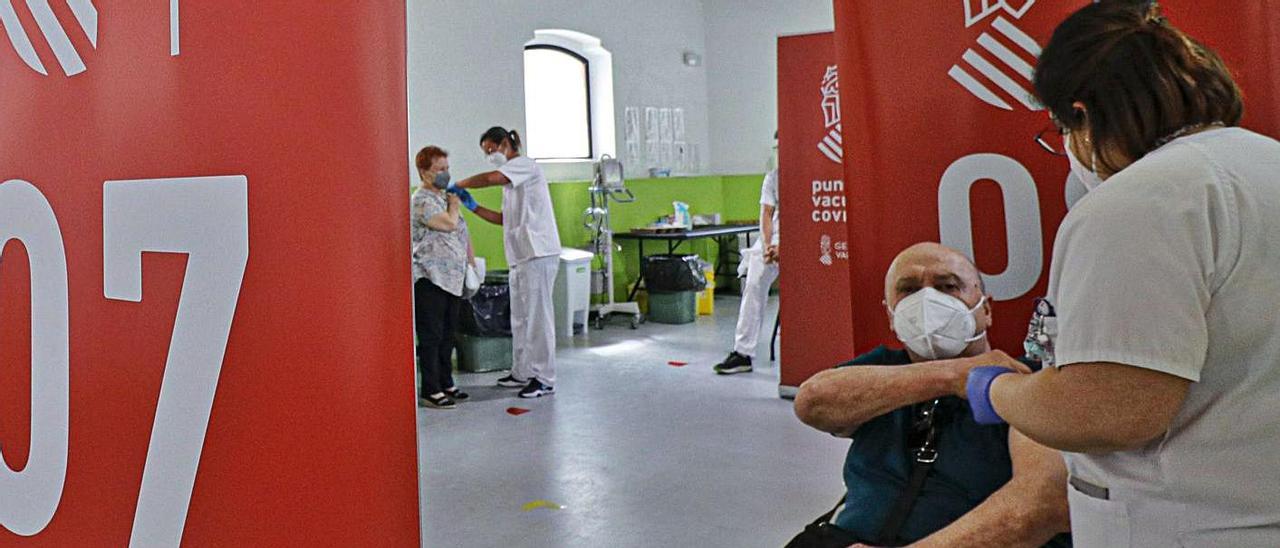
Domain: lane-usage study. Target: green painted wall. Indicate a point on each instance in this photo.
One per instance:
(735, 197)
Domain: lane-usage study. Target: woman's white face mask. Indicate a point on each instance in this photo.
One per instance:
(935, 325)
(1087, 176)
(497, 159)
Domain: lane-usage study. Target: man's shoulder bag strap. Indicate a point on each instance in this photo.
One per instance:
(925, 456)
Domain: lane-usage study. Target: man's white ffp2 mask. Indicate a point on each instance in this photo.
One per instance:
(935, 325)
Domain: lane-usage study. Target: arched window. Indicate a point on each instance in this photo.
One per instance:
(568, 90)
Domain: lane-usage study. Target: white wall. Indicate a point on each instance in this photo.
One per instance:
(466, 66)
(742, 70)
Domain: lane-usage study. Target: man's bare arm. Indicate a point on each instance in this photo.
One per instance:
(838, 401)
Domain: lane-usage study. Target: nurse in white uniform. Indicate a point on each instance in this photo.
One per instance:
(761, 265)
(1161, 329)
(532, 244)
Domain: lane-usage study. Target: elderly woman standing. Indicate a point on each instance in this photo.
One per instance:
(441, 252)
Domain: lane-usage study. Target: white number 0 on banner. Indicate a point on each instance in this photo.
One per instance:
(1021, 222)
(28, 499)
(207, 219)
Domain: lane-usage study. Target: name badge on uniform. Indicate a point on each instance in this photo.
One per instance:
(1042, 331)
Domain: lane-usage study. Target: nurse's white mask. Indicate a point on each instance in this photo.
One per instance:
(1087, 176)
(935, 325)
(497, 159)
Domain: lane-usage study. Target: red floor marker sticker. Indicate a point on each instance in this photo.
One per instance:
(516, 411)
(677, 364)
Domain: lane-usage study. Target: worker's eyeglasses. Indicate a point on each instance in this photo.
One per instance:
(1053, 140)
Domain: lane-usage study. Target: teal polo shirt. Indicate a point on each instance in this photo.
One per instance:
(973, 462)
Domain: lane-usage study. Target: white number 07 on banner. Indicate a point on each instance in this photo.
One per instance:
(205, 218)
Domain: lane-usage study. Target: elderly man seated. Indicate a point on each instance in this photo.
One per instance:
(920, 471)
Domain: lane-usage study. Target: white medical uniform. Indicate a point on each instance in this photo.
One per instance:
(1173, 265)
(532, 244)
(760, 277)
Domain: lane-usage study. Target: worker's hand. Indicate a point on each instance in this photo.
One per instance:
(465, 198)
(960, 368)
(772, 255)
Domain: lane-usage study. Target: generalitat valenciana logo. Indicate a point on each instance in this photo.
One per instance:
(1000, 67)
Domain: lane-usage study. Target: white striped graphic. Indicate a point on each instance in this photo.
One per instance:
(54, 35)
(1020, 38)
(18, 37)
(173, 27)
(1001, 79)
(87, 16)
(1016, 63)
(57, 38)
(977, 89)
(832, 151)
(832, 145)
(1010, 61)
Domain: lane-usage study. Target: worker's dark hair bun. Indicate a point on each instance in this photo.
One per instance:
(498, 135)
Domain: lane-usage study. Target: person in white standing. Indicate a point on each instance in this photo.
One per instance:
(761, 262)
(532, 244)
(1160, 333)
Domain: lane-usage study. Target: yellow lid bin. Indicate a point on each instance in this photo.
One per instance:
(707, 297)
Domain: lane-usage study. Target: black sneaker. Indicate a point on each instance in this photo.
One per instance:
(511, 382)
(437, 402)
(735, 363)
(536, 389)
(456, 394)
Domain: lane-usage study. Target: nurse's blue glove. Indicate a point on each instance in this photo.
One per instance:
(979, 391)
(467, 201)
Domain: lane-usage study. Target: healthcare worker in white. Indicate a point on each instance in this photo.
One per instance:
(532, 244)
(761, 264)
(1161, 329)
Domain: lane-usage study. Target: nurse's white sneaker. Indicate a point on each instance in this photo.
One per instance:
(735, 363)
(536, 389)
(511, 382)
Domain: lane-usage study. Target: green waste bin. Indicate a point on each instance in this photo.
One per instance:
(484, 354)
(675, 307)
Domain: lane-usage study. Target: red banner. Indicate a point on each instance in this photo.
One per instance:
(941, 141)
(815, 257)
(205, 314)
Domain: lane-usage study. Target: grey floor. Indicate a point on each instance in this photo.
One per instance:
(638, 453)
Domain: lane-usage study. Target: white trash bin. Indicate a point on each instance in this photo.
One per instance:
(573, 293)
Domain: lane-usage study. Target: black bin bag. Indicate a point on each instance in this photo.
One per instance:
(672, 273)
(488, 313)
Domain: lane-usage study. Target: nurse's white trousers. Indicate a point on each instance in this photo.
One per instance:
(533, 322)
(755, 294)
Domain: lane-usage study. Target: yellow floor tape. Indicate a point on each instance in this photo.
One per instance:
(529, 507)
